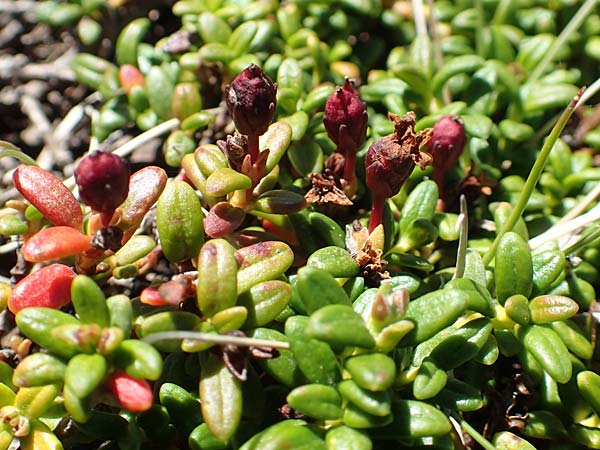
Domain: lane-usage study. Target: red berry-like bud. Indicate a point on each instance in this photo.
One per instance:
(391, 159)
(103, 182)
(447, 143)
(346, 118)
(251, 100)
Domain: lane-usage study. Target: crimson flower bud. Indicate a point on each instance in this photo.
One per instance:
(346, 118)
(251, 100)
(103, 182)
(391, 160)
(447, 143)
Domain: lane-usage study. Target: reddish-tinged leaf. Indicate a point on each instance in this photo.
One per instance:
(130, 76)
(48, 194)
(151, 296)
(55, 243)
(285, 234)
(134, 395)
(48, 287)
(145, 186)
(223, 219)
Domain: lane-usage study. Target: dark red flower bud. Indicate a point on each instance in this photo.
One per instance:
(103, 182)
(251, 100)
(447, 143)
(391, 160)
(346, 118)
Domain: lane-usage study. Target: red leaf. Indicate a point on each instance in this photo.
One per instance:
(48, 287)
(55, 243)
(223, 219)
(134, 395)
(48, 194)
(130, 76)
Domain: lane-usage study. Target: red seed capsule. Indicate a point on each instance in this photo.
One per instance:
(103, 182)
(251, 99)
(447, 143)
(49, 287)
(134, 395)
(55, 243)
(48, 194)
(346, 118)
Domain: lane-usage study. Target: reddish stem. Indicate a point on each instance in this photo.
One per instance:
(438, 177)
(350, 166)
(106, 218)
(253, 149)
(376, 212)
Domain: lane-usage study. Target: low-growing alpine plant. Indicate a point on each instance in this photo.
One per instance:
(370, 228)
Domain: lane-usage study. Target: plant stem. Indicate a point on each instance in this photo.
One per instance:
(376, 212)
(580, 207)
(8, 149)
(534, 176)
(419, 17)
(477, 437)
(9, 247)
(461, 253)
(589, 92)
(214, 338)
(587, 239)
(350, 166)
(253, 149)
(562, 38)
(566, 228)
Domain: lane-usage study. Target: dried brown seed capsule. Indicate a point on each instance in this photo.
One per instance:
(391, 160)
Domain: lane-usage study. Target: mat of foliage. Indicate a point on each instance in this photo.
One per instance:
(345, 224)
